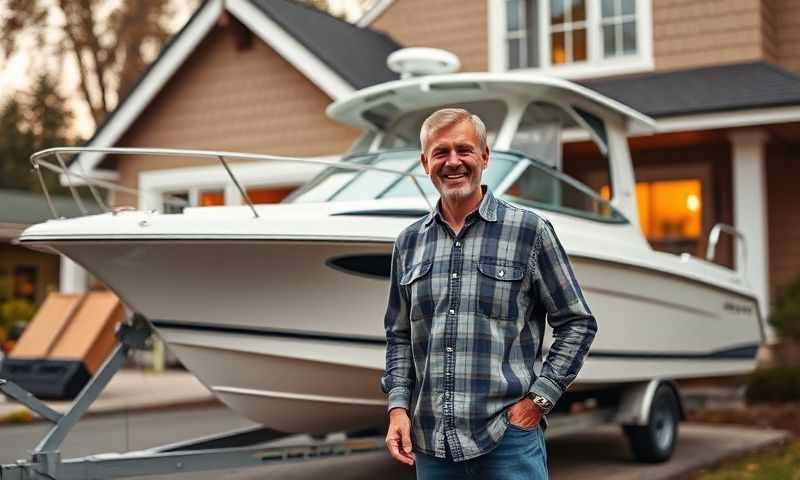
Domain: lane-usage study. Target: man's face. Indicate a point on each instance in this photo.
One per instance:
(455, 162)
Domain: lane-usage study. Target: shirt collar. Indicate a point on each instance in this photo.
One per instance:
(487, 208)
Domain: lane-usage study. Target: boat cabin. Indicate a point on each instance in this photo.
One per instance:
(527, 117)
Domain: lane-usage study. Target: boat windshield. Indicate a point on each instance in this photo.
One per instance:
(541, 186)
(338, 184)
(518, 179)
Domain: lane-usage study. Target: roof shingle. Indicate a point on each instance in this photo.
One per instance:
(358, 55)
(721, 88)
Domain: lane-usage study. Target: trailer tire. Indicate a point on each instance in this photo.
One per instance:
(655, 442)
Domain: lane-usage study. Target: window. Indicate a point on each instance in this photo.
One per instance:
(522, 27)
(25, 278)
(404, 131)
(567, 31)
(174, 202)
(539, 137)
(212, 198)
(335, 184)
(540, 187)
(670, 213)
(619, 27)
(573, 38)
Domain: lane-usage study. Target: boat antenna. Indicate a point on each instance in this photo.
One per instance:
(418, 62)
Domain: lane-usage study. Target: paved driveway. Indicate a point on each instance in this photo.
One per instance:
(599, 453)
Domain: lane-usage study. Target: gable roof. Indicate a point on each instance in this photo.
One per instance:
(358, 55)
(722, 88)
(334, 55)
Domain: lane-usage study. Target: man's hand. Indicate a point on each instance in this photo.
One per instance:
(524, 414)
(398, 440)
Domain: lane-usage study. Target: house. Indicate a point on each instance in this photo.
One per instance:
(28, 274)
(719, 76)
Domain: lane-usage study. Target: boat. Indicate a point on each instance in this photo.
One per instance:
(278, 309)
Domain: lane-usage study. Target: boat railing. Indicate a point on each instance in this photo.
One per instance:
(713, 239)
(42, 159)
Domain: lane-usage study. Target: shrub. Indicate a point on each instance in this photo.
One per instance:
(780, 384)
(785, 316)
(18, 310)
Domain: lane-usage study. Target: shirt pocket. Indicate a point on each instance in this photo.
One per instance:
(418, 282)
(499, 285)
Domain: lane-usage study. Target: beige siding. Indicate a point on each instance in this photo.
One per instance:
(455, 25)
(787, 33)
(769, 31)
(227, 99)
(691, 33)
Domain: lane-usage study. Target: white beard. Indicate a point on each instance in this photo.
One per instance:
(465, 191)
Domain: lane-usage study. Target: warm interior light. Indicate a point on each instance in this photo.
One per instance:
(668, 209)
(693, 202)
(212, 199)
(269, 195)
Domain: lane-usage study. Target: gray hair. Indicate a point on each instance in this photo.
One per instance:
(447, 117)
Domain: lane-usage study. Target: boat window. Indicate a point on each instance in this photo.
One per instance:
(500, 164)
(370, 184)
(404, 132)
(540, 187)
(573, 145)
(363, 143)
(539, 133)
(335, 184)
(331, 180)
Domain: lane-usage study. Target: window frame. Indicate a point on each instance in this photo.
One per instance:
(596, 65)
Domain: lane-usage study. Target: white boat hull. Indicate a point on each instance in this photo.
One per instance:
(300, 347)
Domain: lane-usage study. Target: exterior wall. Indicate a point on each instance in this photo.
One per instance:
(455, 25)
(769, 29)
(689, 33)
(783, 215)
(249, 100)
(786, 17)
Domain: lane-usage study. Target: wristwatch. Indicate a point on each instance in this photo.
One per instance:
(544, 404)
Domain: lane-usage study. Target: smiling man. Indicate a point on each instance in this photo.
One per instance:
(472, 285)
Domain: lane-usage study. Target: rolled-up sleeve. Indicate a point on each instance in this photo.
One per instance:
(398, 378)
(574, 327)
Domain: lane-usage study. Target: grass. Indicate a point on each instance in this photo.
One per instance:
(782, 464)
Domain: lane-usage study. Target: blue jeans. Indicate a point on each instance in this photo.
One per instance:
(521, 454)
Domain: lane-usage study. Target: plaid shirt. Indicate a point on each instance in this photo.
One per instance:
(465, 323)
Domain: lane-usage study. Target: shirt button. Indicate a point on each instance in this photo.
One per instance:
(501, 273)
(452, 312)
(450, 349)
(455, 275)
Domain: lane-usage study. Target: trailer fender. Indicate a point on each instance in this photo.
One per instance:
(636, 400)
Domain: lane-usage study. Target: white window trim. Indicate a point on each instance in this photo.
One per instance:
(155, 183)
(596, 66)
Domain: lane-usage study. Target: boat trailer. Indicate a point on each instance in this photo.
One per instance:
(648, 411)
(247, 447)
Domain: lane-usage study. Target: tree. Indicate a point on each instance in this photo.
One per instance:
(110, 42)
(29, 122)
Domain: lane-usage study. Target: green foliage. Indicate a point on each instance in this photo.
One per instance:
(29, 122)
(785, 316)
(769, 385)
(16, 310)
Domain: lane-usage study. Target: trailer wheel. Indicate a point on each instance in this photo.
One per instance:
(655, 442)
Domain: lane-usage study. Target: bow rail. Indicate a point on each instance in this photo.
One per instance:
(39, 161)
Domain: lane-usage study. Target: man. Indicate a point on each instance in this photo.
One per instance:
(471, 286)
